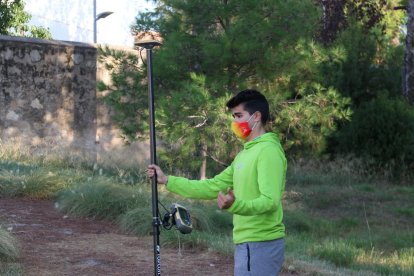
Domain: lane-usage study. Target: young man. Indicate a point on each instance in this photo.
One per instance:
(254, 182)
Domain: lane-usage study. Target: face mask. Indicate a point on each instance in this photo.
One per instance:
(242, 129)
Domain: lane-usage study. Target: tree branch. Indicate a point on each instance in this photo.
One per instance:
(218, 161)
(400, 8)
(223, 25)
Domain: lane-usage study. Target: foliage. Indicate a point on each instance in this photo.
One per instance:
(327, 205)
(308, 121)
(366, 66)
(338, 15)
(35, 184)
(190, 127)
(137, 221)
(360, 66)
(408, 77)
(337, 233)
(209, 54)
(357, 230)
(382, 129)
(13, 21)
(127, 95)
(12, 15)
(100, 199)
(34, 31)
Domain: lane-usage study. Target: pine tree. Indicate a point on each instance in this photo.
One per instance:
(213, 49)
(408, 78)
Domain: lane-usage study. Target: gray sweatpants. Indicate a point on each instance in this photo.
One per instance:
(259, 258)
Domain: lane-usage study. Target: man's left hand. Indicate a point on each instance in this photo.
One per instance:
(225, 201)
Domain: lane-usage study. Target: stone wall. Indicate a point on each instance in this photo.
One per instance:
(48, 99)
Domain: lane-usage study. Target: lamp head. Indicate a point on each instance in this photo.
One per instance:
(103, 15)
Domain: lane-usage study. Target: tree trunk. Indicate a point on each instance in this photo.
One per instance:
(203, 167)
(408, 77)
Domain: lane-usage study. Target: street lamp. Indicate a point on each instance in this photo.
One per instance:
(96, 18)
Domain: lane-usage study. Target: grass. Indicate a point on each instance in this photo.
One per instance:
(356, 223)
(218, 242)
(339, 219)
(8, 249)
(36, 184)
(337, 252)
(99, 199)
(8, 254)
(407, 212)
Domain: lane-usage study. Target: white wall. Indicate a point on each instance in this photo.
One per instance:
(73, 19)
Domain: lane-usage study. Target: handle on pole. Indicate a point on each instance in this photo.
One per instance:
(148, 45)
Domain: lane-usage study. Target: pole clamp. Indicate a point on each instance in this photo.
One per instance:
(156, 221)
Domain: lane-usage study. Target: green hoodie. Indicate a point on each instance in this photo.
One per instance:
(257, 176)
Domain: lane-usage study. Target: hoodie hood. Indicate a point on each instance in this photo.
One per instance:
(267, 137)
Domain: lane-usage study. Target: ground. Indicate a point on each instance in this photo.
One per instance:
(52, 243)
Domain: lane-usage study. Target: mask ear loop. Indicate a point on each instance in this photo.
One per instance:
(254, 123)
(254, 126)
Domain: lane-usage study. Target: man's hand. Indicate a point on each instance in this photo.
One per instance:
(225, 201)
(161, 177)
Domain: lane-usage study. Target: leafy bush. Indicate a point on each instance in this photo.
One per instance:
(382, 130)
(363, 64)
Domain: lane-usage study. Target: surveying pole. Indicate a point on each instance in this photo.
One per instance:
(156, 222)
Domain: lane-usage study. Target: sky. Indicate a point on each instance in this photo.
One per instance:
(72, 20)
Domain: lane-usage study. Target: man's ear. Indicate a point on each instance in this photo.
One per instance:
(258, 116)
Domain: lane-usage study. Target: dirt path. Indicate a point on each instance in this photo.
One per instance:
(54, 244)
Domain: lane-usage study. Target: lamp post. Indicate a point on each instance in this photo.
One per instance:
(96, 18)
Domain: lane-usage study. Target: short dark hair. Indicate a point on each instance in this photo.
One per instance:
(252, 101)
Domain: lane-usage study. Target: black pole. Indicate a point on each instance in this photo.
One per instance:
(148, 45)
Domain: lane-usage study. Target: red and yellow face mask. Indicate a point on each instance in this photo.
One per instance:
(242, 129)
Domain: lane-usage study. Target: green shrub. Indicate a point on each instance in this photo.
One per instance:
(137, 221)
(101, 199)
(208, 218)
(205, 217)
(36, 184)
(382, 130)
